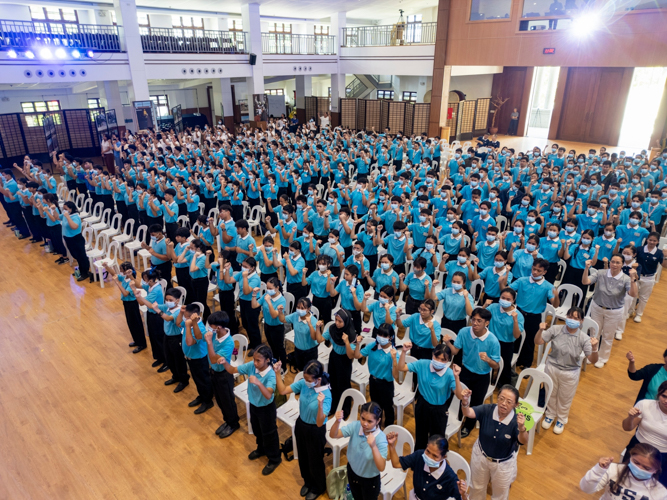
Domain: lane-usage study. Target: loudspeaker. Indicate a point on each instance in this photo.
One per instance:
(253, 59)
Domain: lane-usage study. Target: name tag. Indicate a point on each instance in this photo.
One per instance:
(554, 245)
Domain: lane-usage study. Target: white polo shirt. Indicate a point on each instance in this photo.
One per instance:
(653, 427)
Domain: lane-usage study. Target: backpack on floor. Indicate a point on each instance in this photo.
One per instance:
(337, 483)
(287, 449)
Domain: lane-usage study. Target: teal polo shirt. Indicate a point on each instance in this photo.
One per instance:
(318, 284)
(267, 379)
(170, 327)
(199, 350)
(502, 324)
(200, 271)
(436, 387)
(420, 334)
(253, 281)
(380, 315)
(161, 248)
(347, 300)
(532, 296)
(473, 345)
(299, 265)
(380, 364)
(308, 404)
(453, 304)
(222, 347)
(359, 453)
(275, 302)
(125, 283)
(338, 349)
(302, 339)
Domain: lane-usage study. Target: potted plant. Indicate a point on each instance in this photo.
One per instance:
(497, 103)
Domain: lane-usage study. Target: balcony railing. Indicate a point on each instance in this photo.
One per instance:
(203, 42)
(282, 43)
(27, 34)
(395, 34)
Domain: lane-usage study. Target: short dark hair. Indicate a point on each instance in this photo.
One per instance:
(485, 314)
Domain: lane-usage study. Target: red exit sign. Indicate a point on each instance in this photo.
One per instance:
(549, 51)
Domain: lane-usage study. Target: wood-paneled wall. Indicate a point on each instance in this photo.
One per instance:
(513, 83)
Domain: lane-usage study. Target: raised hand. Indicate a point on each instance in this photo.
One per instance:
(635, 412)
(456, 369)
(407, 345)
(339, 415)
(605, 462)
(392, 438)
(277, 366)
(630, 356)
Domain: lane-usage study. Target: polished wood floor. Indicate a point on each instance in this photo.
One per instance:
(83, 418)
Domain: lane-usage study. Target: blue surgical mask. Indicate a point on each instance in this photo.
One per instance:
(505, 304)
(385, 266)
(438, 365)
(428, 246)
(613, 191)
(170, 304)
(585, 241)
(430, 462)
(457, 286)
(518, 230)
(530, 247)
(455, 231)
(310, 385)
(641, 474)
(490, 238)
(525, 202)
(462, 260)
(553, 234)
(591, 211)
(530, 219)
(569, 199)
(498, 264)
(301, 312)
(271, 292)
(383, 301)
(537, 278)
(153, 239)
(422, 218)
(634, 222)
(572, 323)
(483, 211)
(398, 234)
(382, 340)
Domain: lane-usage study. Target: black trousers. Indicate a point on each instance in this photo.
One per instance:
(324, 306)
(303, 357)
(356, 319)
(155, 326)
(250, 321)
(121, 208)
(421, 353)
(199, 369)
(184, 280)
(171, 228)
(265, 277)
(200, 294)
(275, 336)
(77, 248)
(340, 373)
(33, 224)
(382, 393)
(263, 421)
(373, 263)
(134, 322)
(133, 213)
(223, 390)
(531, 325)
(192, 217)
(165, 271)
(363, 488)
(298, 290)
(175, 359)
(226, 298)
(56, 237)
(429, 420)
(16, 216)
(506, 352)
(412, 305)
(310, 442)
(478, 384)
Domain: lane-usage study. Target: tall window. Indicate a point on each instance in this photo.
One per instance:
(274, 91)
(237, 25)
(53, 14)
(40, 106)
(280, 28)
(187, 26)
(162, 102)
(410, 96)
(385, 94)
(484, 10)
(94, 103)
(144, 23)
(413, 33)
(321, 30)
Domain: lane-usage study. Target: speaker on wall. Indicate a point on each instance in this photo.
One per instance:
(253, 59)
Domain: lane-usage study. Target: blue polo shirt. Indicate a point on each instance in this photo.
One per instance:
(170, 327)
(488, 343)
(199, 350)
(453, 304)
(267, 379)
(379, 313)
(253, 281)
(230, 225)
(161, 248)
(153, 295)
(380, 364)
(396, 247)
(420, 334)
(308, 404)
(244, 244)
(126, 285)
(502, 324)
(262, 301)
(222, 347)
(68, 232)
(382, 278)
(486, 254)
(532, 297)
(359, 453)
(523, 262)
(299, 265)
(418, 286)
(436, 387)
(347, 299)
(318, 284)
(201, 270)
(549, 249)
(178, 250)
(302, 339)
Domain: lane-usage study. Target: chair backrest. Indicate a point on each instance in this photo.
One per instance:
(451, 333)
(202, 207)
(501, 223)
(407, 378)
(116, 222)
(458, 463)
(549, 311)
(545, 354)
(404, 317)
(80, 200)
(562, 267)
(532, 393)
(523, 339)
(71, 195)
(141, 233)
(106, 217)
(297, 377)
(494, 382)
(113, 251)
(454, 406)
(163, 284)
(255, 213)
(476, 289)
(591, 327)
(101, 242)
(196, 228)
(315, 312)
(404, 437)
(213, 214)
(570, 292)
(184, 294)
(242, 341)
(358, 399)
(97, 209)
(289, 298)
(88, 235)
(199, 305)
(129, 226)
(183, 221)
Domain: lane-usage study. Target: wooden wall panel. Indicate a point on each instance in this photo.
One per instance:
(348, 113)
(373, 112)
(509, 84)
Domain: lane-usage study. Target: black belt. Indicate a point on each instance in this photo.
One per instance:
(608, 308)
(495, 460)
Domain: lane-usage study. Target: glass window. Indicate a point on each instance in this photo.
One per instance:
(237, 25)
(69, 15)
(274, 91)
(113, 17)
(28, 107)
(483, 10)
(410, 96)
(142, 19)
(162, 102)
(53, 105)
(551, 8)
(198, 22)
(417, 18)
(176, 20)
(53, 14)
(40, 106)
(321, 30)
(385, 94)
(37, 12)
(187, 21)
(94, 103)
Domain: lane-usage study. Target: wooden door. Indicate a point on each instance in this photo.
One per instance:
(593, 104)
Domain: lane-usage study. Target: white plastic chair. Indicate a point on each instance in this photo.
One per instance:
(104, 222)
(114, 228)
(338, 444)
(86, 207)
(242, 350)
(404, 394)
(393, 479)
(549, 312)
(135, 245)
(476, 289)
(360, 374)
(591, 327)
(184, 294)
(323, 354)
(241, 392)
(562, 267)
(494, 382)
(254, 219)
(453, 423)
(568, 300)
(457, 463)
(96, 216)
(501, 223)
(516, 355)
(289, 412)
(531, 396)
(126, 235)
(289, 299)
(111, 260)
(97, 251)
(183, 221)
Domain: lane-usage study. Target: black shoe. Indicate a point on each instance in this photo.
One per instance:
(228, 431)
(204, 408)
(195, 402)
(312, 496)
(180, 387)
(171, 381)
(7, 223)
(221, 428)
(304, 491)
(270, 467)
(465, 433)
(254, 455)
(156, 363)
(82, 278)
(63, 261)
(59, 261)
(22, 237)
(132, 344)
(43, 244)
(91, 277)
(138, 349)
(162, 369)
(33, 240)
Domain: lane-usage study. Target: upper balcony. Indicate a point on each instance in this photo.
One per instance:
(286, 43)
(169, 40)
(399, 34)
(27, 35)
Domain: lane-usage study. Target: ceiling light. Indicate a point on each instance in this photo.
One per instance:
(11, 53)
(90, 54)
(76, 54)
(60, 53)
(45, 53)
(29, 54)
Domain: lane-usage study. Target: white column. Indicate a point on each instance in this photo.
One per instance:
(126, 16)
(15, 12)
(304, 87)
(110, 98)
(423, 87)
(338, 22)
(222, 98)
(102, 17)
(252, 26)
(160, 21)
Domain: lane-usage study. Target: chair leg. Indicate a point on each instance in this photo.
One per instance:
(100, 271)
(336, 456)
(296, 452)
(531, 441)
(399, 414)
(247, 416)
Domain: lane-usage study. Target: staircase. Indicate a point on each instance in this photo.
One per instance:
(363, 85)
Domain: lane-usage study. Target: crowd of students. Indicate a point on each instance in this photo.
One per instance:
(362, 217)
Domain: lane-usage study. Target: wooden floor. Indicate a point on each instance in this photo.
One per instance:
(83, 418)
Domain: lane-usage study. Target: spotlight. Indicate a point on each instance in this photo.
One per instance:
(76, 54)
(90, 54)
(585, 24)
(45, 53)
(11, 53)
(29, 54)
(61, 54)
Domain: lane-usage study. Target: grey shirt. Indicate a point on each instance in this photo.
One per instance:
(566, 347)
(610, 291)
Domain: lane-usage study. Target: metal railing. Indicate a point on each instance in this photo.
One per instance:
(285, 43)
(355, 88)
(203, 41)
(393, 34)
(27, 34)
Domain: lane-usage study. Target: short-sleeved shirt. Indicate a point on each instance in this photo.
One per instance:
(472, 345)
(532, 296)
(502, 323)
(610, 290)
(223, 347)
(337, 348)
(566, 347)
(491, 277)
(359, 453)
(380, 364)
(199, 349)
(299, 265)
(302, 339)
(318, 284)
(653, 426)
(436, 386)
(308, 404)
(347, 300)
(418, 285)
(498, 439)
(275, 302)
(437, 485)
(453, 304)
(267, 378)
(200, 267)
(161, 248)
(125, 283)
(420, 334)
(171, 329)
(254, 281)
(380, 313)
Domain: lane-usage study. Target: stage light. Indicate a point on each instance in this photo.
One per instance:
(29, 54)
(11, 53)
(61, 54)
(90, 54)
(76, 54)
(45, 53)
(585, 24)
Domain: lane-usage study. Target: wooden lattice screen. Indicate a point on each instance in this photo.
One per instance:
(421, 117)
(311, 108)
(373, 111)
(482, 115)
(348, 113)
(409, 118)
(361, 114)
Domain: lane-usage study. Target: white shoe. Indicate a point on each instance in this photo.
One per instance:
(546, 423)
(619, 336)
(599, 364)
(559, 428)
(638, 319)
(588, 361)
